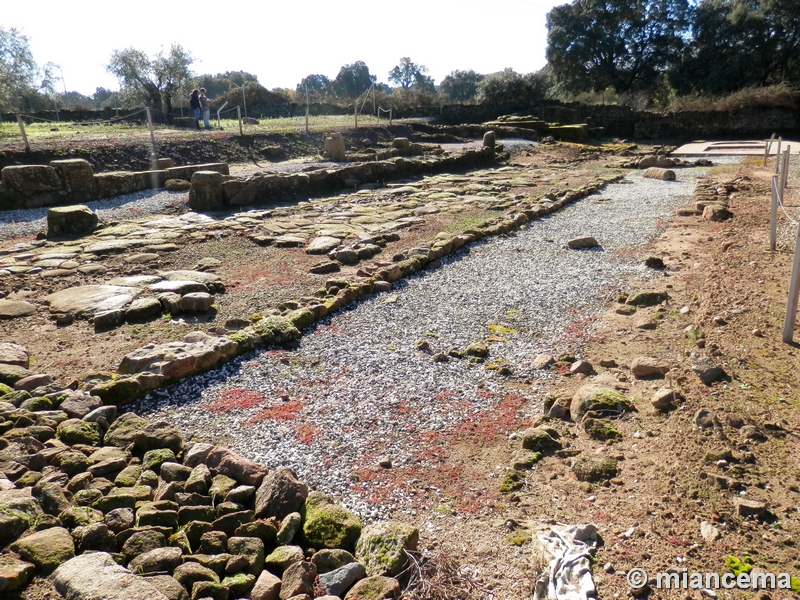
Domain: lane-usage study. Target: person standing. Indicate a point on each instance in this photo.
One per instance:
(194, 102)
(205, 105)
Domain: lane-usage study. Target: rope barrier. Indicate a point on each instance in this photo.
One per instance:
(782, 206)
(111, 120)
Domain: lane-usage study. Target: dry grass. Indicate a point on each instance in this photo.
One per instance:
(435, 576)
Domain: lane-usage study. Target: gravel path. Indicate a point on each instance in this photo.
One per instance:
(32, 220)
(358, 389)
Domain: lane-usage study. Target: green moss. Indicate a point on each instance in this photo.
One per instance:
(328, 525)
(512, 481)
(738, 566)
(602, 430)
(608, 401)
(519, 538)
(595, 469)
(496, 328)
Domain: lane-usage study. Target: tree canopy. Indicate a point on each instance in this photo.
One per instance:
(461, 86)
(624, 44)
(317, 86)
(156, 80)
(353, 80)
(407, 73)
(18, 70)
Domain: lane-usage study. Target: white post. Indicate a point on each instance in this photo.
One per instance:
(219, 110)
(390, 116)
(153, 149)
(355, 113)
(239, 116)
(785, 173)
(244, 101)
(22, 131)
(307, 108)
(767, 148)
(773, 215)
(794, 289)
(778, 155)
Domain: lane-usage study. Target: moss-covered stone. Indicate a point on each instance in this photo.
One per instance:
(539, 440)
(301, 317)
(220, 486)
(78, 516)
(118, 391)
(279, 559)
(595, 469)
(251, 548)
(381, 547)
(46, 549)
(73, 463)
(5, 389)
(14, 573)
(513, 480)
(194, 531)
(124, 429)
(128, 476)
(601, 430)
(239, 585)
(150, 516)
(600, 400)
(75, 431)
(479, 349)
(263, 529)
(276, 330)
(328, 525)
(153, 459)
(330, 559)
(374, 588)
(646, 298)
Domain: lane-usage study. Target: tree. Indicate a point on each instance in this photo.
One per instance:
(18, 70)
(407, 73)
(461, 86)
(155, 80)
(509, 89)
(317, 86)
(624, 44)
(218, 84)
(353, 80)
(740, 43)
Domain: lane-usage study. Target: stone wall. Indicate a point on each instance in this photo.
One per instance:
(72, 181)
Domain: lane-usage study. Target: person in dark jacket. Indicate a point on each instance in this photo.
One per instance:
(205, 105)
(194, 102)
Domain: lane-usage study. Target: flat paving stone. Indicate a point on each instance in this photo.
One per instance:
(91, 299)
(13, 309)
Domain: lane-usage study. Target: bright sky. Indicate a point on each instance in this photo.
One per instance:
(282, 42)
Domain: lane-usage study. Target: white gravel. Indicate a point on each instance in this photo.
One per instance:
(130, 206)
(361, 388)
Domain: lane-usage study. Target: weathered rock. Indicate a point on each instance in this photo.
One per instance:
(190, 573)
(381, 547)
(267, 587)
(662, 398)
(13, 309)
(143, 541)
(705, 368)
(283, 556)
(90, 300)
(96, 537)
(748, 508)
(46, 549)
(298, 578)
(659, 173)
(646, 298)
(227, 462)
(646, 366)
(280, 493)
(206, 193)
(78, 405)
(331, 559)
(160, 559)
(97, 576)
(251, 548)
(119, 519)
(580, 243)
(328, 525)
(716, 212)
(538, 439)
(75, 431)
(599, 399)
(70, 220)
(709, 533)
(239, 584)
(322, 245)
(14, 354)
(290, 525)
(374, 588)
(196, 302)
(593, 469)
(168, 586)
(543, 361)
(14, 573)
(337, 582)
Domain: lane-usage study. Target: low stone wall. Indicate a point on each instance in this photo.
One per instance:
(73, 181)
(212, 191)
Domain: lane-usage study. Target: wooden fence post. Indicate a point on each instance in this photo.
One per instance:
(239, 116)
(794, 289)
(767, 148)
(778, 155)
(22, 131)
(153, 148)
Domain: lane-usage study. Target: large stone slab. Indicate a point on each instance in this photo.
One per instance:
(47, 548)
(89, 300)
(97, 577)
(14, 354)
(70, 220)
(13, 309)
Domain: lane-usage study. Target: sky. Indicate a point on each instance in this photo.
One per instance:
(282, 42)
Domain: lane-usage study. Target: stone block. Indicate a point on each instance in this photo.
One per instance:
(78, 178)
(206, 193)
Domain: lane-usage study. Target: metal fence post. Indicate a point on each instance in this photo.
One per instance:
(22, 131)
(773, 215)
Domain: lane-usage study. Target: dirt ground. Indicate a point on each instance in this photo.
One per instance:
(477, 542)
